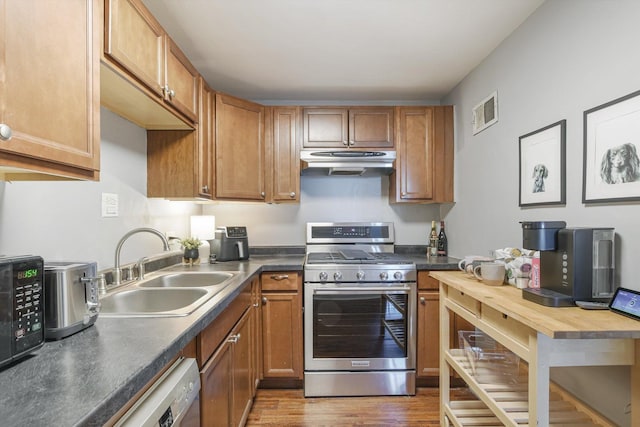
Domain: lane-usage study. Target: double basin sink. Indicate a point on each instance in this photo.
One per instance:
(169, 294)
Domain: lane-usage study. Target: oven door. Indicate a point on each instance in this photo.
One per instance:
(359, 327)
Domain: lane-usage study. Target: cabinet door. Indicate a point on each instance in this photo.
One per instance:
(135, 40)
(181, 81)
(206, 142)
(415, 151)
(49, 87)
(371, 127)
(239, 149)
(428, 359)
(282, 335)
(325, 128)
(256, 334)
(242, 387)
(285, 169)
(216, 394)
(172, 163)
(424, 147)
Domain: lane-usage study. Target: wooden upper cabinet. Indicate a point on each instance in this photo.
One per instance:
(240, 149)
(135, 40)
(283, 172)
(326, 128)
(180, 163)
(424, 147)
(371, 127)
(50, 89)
(144, 71)
(206, 141)
(181, 81)
(355, 127)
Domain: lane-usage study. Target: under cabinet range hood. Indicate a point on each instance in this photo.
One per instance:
(347, 163)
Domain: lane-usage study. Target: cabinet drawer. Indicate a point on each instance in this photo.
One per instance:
(464, 300)
(280, 281)
(510, 327)
(214, 334)
(427, 282)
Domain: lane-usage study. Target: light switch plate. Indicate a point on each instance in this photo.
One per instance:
(109, 205)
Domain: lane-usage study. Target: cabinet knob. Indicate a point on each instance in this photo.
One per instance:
(262, 194)
(205, 189)
(352, 143)
(403, 194)
(292, 194)
(264, 300)
(168, 92)
(233, 338)
(345, 142)
(5, 132)
(423, 300)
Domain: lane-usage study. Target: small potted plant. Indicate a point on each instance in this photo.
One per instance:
(191, 252)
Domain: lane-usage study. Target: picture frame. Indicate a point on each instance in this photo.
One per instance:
(542, 166)
(611, 166)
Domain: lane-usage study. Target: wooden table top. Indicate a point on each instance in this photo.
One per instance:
(555, 322)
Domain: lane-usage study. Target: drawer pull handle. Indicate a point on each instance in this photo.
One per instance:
(280, 277)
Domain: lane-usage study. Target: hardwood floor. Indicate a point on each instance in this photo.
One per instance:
(291, 408)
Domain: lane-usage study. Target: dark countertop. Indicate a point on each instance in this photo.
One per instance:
(86, 378)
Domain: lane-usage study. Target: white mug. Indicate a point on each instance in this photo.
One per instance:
(467, 261)
(491, 273)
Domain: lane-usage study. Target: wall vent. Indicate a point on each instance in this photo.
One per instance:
(485, 113)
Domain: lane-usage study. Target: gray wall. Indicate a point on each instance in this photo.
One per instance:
(569, 56)
(63, 220)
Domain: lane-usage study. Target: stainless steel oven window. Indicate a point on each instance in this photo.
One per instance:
(360, 325)
(366, 342)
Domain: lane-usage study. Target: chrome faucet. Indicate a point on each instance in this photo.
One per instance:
(117, 271)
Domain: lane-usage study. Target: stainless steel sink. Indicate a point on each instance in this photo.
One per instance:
(167, 295)
(188, 280)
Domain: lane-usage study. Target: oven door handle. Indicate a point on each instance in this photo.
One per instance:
(340, 290)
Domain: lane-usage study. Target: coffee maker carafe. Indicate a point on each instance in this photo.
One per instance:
(576, 264)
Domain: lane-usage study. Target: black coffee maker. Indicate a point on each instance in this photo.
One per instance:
(576, 264)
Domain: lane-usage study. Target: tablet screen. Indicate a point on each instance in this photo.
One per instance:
(627, 302)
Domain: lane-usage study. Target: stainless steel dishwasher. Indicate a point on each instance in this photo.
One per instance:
(173, 400)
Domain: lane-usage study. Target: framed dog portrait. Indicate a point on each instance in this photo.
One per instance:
(611, 170)
(542, 166)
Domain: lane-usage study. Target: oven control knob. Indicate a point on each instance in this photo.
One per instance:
(397, 275)
(360, 275)
(323, 276)
(337, 276)
(384, 275)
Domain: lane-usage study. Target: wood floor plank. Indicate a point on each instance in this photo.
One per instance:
(273, 407)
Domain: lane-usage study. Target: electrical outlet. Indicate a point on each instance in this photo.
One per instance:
(109, 205)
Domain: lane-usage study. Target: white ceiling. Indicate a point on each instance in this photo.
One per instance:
(338, 50)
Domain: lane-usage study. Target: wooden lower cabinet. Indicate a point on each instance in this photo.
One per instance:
(282, 350)
(225, 351)
(227, 392)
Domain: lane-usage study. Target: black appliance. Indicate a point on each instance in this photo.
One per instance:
(576, 264)
(21, 306)
(230, 244)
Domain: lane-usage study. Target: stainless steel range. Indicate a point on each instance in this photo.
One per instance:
(359, 312)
